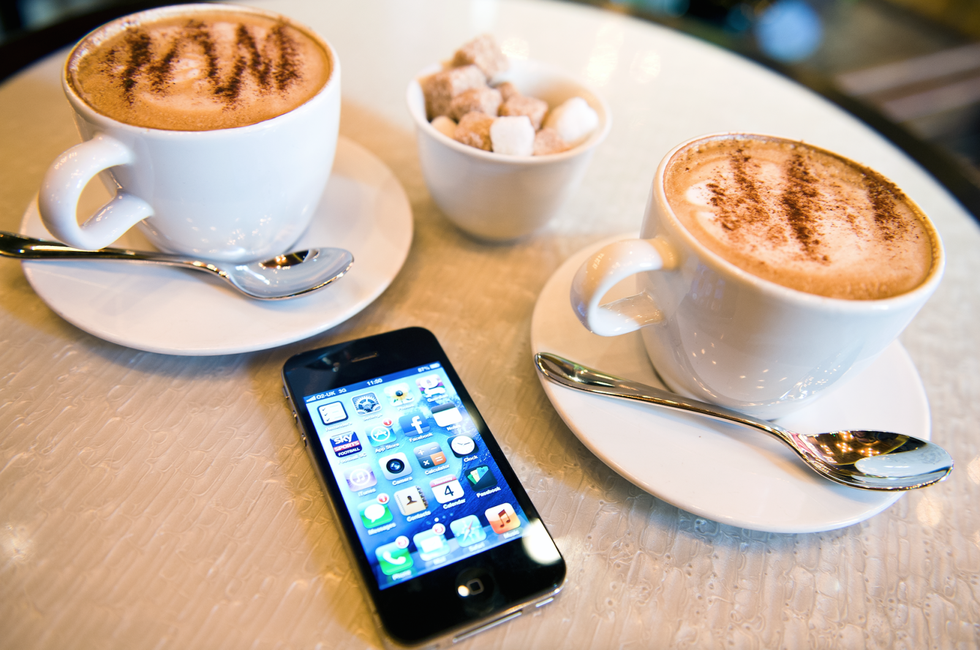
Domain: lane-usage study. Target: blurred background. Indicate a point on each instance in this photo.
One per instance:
(915, 63)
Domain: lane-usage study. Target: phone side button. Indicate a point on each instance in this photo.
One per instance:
(543, 602)
(302, 434)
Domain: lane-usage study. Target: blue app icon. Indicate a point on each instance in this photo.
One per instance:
(414, 424)
(345, 444)
(430, 455)
(468, 530)
(380, 435)
(431, 544)
(367, 404)
(332, 413)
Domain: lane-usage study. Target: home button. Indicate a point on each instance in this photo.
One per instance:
(474, 585)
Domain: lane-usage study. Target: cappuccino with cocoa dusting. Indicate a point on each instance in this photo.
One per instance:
(198, 70)
(801, 217)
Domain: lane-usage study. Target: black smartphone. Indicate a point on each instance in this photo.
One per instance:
(446, 539)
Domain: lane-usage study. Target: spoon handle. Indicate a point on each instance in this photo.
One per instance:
(570, 374)
(868, 460)
(28, 248)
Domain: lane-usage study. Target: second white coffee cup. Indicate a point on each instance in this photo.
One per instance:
(230, 194)
(720, 334)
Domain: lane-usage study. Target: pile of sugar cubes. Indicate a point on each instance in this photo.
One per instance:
(461, 103)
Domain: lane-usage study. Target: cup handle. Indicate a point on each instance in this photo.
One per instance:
(63, 184)
(609, 266)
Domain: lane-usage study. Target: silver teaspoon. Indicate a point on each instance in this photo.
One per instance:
(870, 460)
(284, 276)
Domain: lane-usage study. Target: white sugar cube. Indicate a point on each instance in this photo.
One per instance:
(574, 120)
(445, 126)
(512, 135)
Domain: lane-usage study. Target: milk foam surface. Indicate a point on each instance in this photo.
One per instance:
(801, 217)
(198, 70)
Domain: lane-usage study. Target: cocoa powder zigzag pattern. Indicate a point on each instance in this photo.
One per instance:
(273, 62)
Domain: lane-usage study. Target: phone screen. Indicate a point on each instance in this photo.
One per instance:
(418, 482)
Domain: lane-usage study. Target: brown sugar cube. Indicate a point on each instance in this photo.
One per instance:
(507, 90)
(483, 100)
(440, 88)
(483, 52)
(530, 106)
(547, 141)
(474, 130)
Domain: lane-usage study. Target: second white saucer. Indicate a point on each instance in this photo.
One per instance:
(711, 469)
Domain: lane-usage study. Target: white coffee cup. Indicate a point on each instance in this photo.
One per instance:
(232, 194)
(720, 334)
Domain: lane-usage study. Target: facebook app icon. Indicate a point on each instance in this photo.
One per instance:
(414, 424)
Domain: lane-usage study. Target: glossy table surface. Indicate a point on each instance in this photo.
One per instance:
(149, 500)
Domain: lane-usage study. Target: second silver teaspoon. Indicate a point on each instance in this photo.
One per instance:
(284, 276)
(870, 460)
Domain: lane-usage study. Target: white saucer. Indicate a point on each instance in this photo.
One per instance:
(714, 470)
(173, 311)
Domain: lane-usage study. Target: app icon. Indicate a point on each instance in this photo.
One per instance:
(411, 500)
(462, 446)
(399, 394)
(468, 530)
(446, 415)
(374, 513)
(345, 444)
(431, 544)
(502, 518)
(366, 404)
(360, 477)
(431, 387)
(393, 559)
(414, 424)
(381, 435)
(395, 466)
(446, 488)
(430, 455)
(481, 478)
(332, 413)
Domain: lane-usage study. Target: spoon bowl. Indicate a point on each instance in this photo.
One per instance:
(868, 460)
(285, 276)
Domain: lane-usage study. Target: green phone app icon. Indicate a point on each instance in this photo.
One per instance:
(394, 559)
(374, 514)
